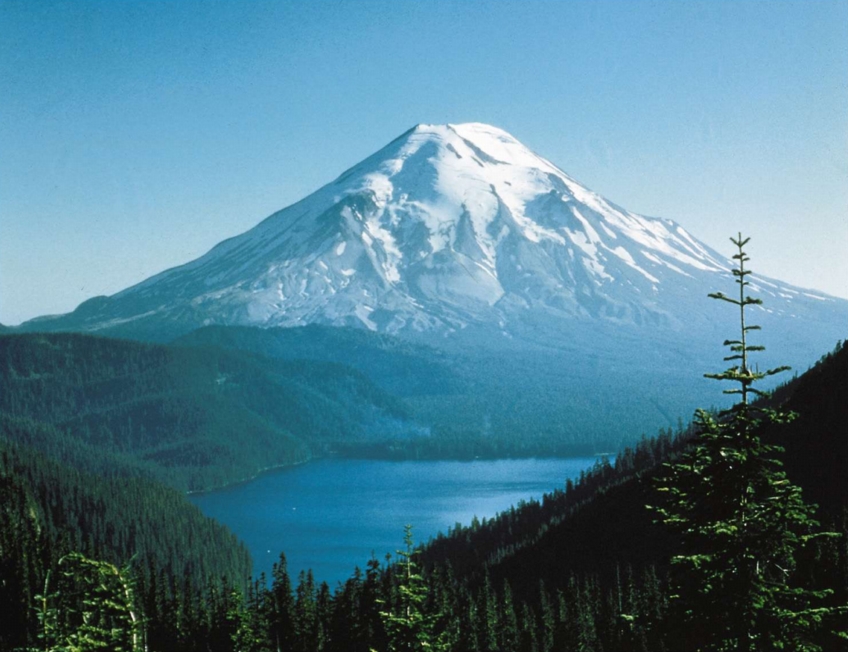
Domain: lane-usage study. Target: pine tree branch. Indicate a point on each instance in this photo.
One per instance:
(719, 295)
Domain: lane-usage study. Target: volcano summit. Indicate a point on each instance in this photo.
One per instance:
(447, 227)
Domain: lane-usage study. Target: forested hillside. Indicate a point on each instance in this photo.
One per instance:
(816, 444)
(585, 568)
(193, 418)
(597, 541)
(49, 510)
(519, 400)
(608, 504)
(397, 366)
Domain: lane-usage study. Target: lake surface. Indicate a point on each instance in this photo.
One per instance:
(330, 515)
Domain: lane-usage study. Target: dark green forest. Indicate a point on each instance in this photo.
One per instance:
(168, 412)
(730, 532)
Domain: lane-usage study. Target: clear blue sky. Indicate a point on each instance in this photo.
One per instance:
(136, 135)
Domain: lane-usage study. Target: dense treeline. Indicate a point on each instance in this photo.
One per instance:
(171, 412)
(816, 449)
(388, 608)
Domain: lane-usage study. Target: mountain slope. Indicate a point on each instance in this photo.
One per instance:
(446, 227)
(49, 509)
(504, 402)
(399, 367)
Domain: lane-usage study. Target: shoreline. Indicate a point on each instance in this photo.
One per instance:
(250, 478)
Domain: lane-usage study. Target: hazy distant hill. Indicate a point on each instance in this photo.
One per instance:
(398, 366)
(509, 401)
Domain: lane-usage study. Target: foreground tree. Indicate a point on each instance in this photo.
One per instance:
(741, 521)
(93, 607)
(410, 625)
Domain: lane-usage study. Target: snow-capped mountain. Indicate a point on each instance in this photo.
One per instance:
(447, 227)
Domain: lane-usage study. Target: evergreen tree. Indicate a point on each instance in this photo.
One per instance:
(92, 607)
(347, 627)
(306, 613)
(282, 617)
(323, 614)
(528, 640)
(487, 617)
(255, 631)
(741, 521)
(508, 634)
(548, 619)
(409, 626)
(372, 589)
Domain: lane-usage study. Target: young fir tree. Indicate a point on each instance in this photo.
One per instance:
(409, 625)
(741, 521)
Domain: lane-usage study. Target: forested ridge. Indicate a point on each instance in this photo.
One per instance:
(605, 504)
(518, 401)
(169, 412)
(395, 365)
(50, 510)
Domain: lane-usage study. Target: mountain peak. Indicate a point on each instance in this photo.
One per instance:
(469, 130)
(446, 227)
(483, 142)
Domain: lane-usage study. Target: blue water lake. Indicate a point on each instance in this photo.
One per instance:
(330, 515)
